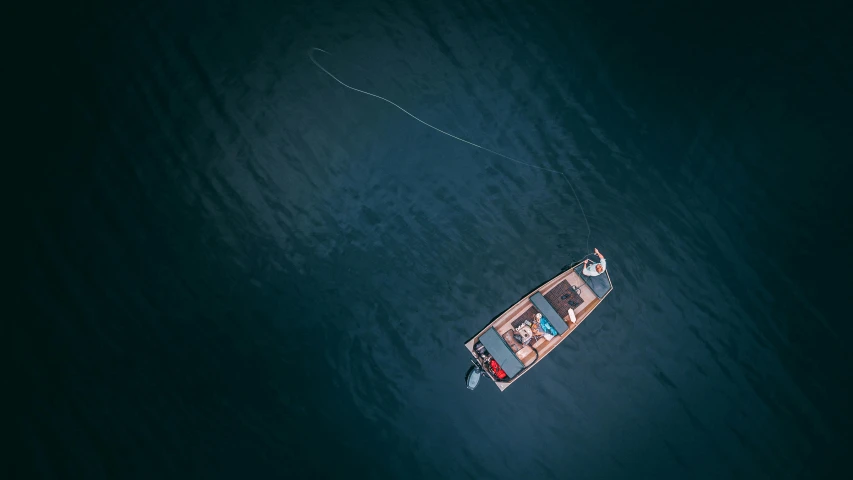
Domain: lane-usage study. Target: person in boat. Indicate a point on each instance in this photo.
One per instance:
(594, 269)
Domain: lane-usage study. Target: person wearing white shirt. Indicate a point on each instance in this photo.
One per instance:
(594, 269)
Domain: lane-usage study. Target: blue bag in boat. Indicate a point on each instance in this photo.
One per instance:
(546, 326)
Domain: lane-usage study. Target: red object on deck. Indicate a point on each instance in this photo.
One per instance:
(497, 370)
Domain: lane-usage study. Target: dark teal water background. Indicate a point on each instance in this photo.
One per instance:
(229, 266)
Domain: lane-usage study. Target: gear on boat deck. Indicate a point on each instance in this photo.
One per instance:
(526, 332)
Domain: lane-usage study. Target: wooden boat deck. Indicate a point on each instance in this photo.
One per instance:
(552, 290)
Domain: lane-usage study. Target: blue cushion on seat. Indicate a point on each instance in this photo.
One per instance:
(501, 352)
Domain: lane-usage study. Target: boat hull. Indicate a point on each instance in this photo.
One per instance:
(558, 292)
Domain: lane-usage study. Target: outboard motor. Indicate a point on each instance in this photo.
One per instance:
(472, 378)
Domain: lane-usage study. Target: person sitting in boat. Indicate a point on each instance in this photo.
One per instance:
(595, 269)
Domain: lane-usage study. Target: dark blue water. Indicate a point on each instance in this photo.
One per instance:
(229, 266)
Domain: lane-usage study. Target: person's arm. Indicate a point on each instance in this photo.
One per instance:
(599, 254)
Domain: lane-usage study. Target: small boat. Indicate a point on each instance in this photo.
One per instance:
(525, 333)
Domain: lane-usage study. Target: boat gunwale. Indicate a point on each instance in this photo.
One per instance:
(556, 279)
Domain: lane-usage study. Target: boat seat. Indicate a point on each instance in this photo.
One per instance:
(545, 308)
(501, 352)
(599, 285)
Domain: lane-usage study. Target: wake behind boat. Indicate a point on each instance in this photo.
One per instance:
(524, 334)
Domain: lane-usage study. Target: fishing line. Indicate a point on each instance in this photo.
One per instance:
(546, 169)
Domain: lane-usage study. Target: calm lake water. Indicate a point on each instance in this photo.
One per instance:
(233, 267)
